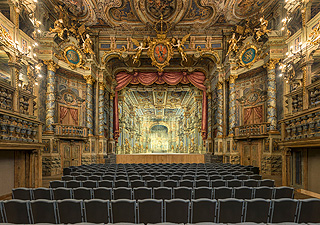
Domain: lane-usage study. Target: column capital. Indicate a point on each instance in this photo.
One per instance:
(232, 78)
(219, 85)
(51, 65)
(102, 86)
(271, 64)
(90, 79)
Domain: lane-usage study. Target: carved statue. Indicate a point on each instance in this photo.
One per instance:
(180, 46)
(263, 28)
(141, 46)
(87, 45)
(127, 146)
(58, 28)
(192, 146)
(233, 44)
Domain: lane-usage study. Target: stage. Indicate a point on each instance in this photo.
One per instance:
(161, 158)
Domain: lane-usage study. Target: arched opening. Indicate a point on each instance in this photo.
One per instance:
(159, 139)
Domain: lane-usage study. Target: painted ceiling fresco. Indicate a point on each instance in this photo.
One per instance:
(132, 14)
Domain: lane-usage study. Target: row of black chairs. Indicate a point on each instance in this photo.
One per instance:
(125, 168)
(165, 183)
(156, 193)
(163, 177)
(157, 211)
(165, 173)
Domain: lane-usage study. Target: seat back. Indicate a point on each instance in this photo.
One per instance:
(243, 192)
(263, 192)
(162, 193)
(234, 183)
(121, 183)
(283, 192)
(17, 211)
(176, 211)
(230, 211)
(251, 183)
(203, 192)
(122, 193)
(62, 193)
(97, 211)
(182, 193)
(150, 211)
(123, 211)
(170, 183)
(102, 193)
(70, 211)
(309, 211)
(42, 193)
(257, 211)
(105, 183)
(266, 183)
(203, 210)
(284, 210)
(44, 211)
(82, 193)
(218, 183)
(73, 184)
(22, 193)
(222, 192)
(153, 183)
(186, 183)
(89, 184)
(57, 183)
(137, 183)
(142, 193)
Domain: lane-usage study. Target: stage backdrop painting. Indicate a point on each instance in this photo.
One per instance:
(196, 78)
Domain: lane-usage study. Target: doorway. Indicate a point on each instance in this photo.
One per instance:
(71, 154)
(250, 155)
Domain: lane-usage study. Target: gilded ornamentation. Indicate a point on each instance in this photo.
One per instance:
(90, 79)
(271, 65)
(248, 55)
(87, 46)
(51, 65)
(5, 37)
(233, 44)
(59, 29)
(262, 30)
(141, 46)
(72, 56)
(314, 37)
(102, 86)
(180, 46)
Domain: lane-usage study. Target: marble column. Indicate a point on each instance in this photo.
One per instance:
(219, 115)
(232, 104)
(271, 94)
(102, 119)
(51, 95)
(111, 116)
(89, 103)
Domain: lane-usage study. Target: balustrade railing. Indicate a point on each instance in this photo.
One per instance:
(304, 126)
(17, 128)
(71, 130)
(252, 130)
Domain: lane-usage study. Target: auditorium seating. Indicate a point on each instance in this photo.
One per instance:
(157, 211)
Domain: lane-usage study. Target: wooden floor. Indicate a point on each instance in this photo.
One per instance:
(160, 158)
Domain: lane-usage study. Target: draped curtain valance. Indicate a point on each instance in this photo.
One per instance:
(171, 78)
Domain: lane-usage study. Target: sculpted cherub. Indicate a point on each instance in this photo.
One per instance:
(141, 46)
(58, 28)
(262, 30)
(180, 46)
(87, 45)
(233, 44)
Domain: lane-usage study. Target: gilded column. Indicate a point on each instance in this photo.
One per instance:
(102, 119)
(111, 116)
(51, 94)
(219, 110)
(89, 103)
(271, 96)
(232, 104)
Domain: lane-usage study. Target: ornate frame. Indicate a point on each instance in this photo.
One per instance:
(244, 49)
(151, 50)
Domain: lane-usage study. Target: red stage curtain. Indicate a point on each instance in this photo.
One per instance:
(247, 115)
(171, 78)
(74, 115)
(63, 113)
